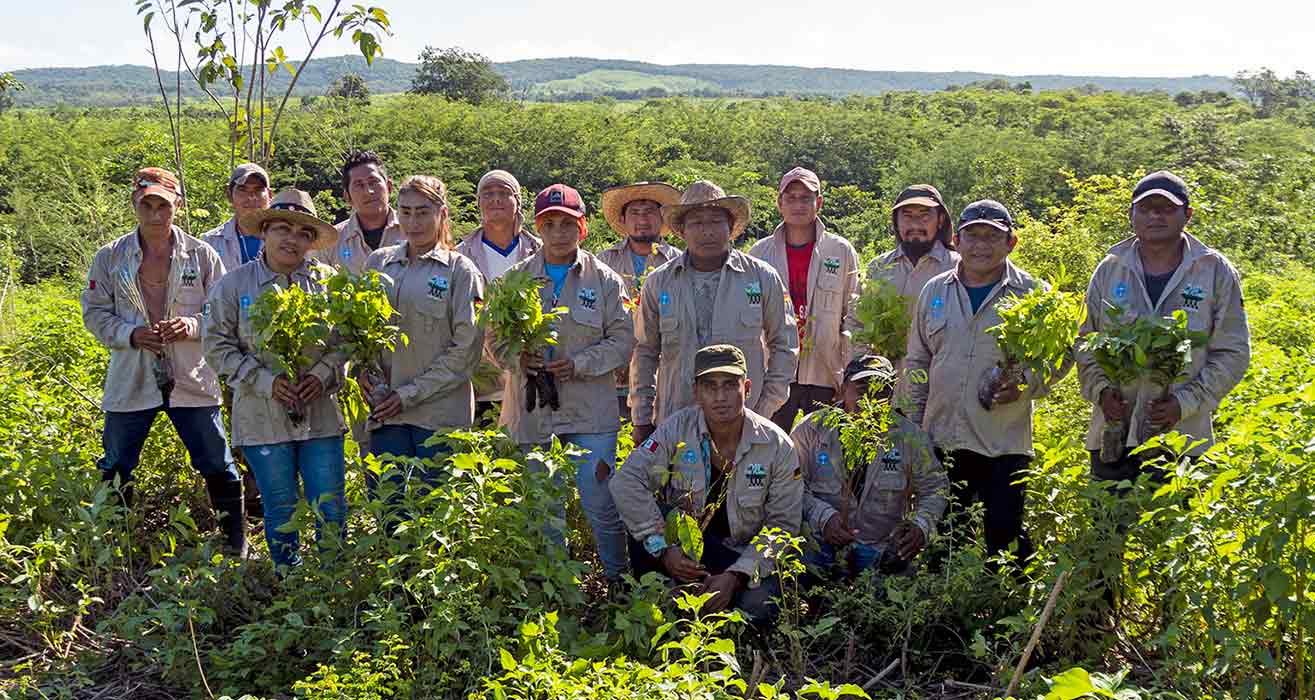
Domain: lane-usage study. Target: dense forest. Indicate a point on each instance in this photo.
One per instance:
(1216, 601)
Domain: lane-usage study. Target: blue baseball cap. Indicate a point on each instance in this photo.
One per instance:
(986, 211)
(1164, 184)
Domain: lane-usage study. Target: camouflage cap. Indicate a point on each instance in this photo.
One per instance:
(720, 358)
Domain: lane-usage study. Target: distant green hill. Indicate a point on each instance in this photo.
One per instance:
(578, 78)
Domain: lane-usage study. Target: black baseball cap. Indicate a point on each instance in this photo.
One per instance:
(1164, 184)
(868, 367)
(986, 211)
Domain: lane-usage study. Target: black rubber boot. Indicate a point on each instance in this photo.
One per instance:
(230, 511)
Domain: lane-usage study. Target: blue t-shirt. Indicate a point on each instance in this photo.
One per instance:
(248, 247)
(556, 273)
(977, 295)
(640, 262)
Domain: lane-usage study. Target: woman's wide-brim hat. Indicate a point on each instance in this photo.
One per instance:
(707, 195)
(615, 200)
(296, 207)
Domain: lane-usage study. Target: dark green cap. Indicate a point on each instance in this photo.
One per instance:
(720, 358)
(869, 367)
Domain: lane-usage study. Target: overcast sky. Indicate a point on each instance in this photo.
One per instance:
(1111, 37)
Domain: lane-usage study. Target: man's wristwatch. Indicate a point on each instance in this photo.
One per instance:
(655, 544)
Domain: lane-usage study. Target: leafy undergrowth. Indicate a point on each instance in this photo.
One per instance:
(1211, 592)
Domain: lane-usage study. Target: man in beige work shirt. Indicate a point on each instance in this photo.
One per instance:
(820, 273)
(884, 512)
(732, 471)
(985, 447)
(247, 190)
(145, 299)
(573, 379)
(372, 224)
(499, 243)
(924, 245)
(711, 294)
(1160, 270)
(635, 212)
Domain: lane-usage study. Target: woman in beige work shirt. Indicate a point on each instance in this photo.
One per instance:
(434, 290)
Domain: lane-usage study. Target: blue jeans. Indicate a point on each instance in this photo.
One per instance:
(861, 557)
(320, 465)
(201, 430)
(596, 499)
(403, 441)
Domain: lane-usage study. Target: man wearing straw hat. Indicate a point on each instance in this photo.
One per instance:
(820, 270)
(247, 190)
(145, 299)
(496, 246)
(709, 295)
(373, 223)
(635, 212)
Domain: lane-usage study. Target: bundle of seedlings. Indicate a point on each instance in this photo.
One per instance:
(161, 367)
(883, 318)
(292, 325)
(361, 318)
(1157, 350)
(1036, 335)
(514, 313)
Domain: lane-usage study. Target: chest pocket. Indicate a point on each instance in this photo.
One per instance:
(750, 501)
(433, 314)
(586, 326)
(1196, 297)
(826, 295)
(751, 323)
(888, 490)
(936, 326)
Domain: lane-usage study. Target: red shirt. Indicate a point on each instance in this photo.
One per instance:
(798, 258)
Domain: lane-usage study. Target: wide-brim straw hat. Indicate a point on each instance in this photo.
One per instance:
(615, 200)
(297, 207)
(704, 195)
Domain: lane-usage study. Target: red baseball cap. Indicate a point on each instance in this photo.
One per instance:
(561, 198)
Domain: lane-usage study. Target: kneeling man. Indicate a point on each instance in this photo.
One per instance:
(732, 470)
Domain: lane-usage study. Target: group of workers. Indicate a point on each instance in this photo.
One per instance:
(726, 364)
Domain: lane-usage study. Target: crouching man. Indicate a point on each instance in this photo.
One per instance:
(884, 512)
(732, 470)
